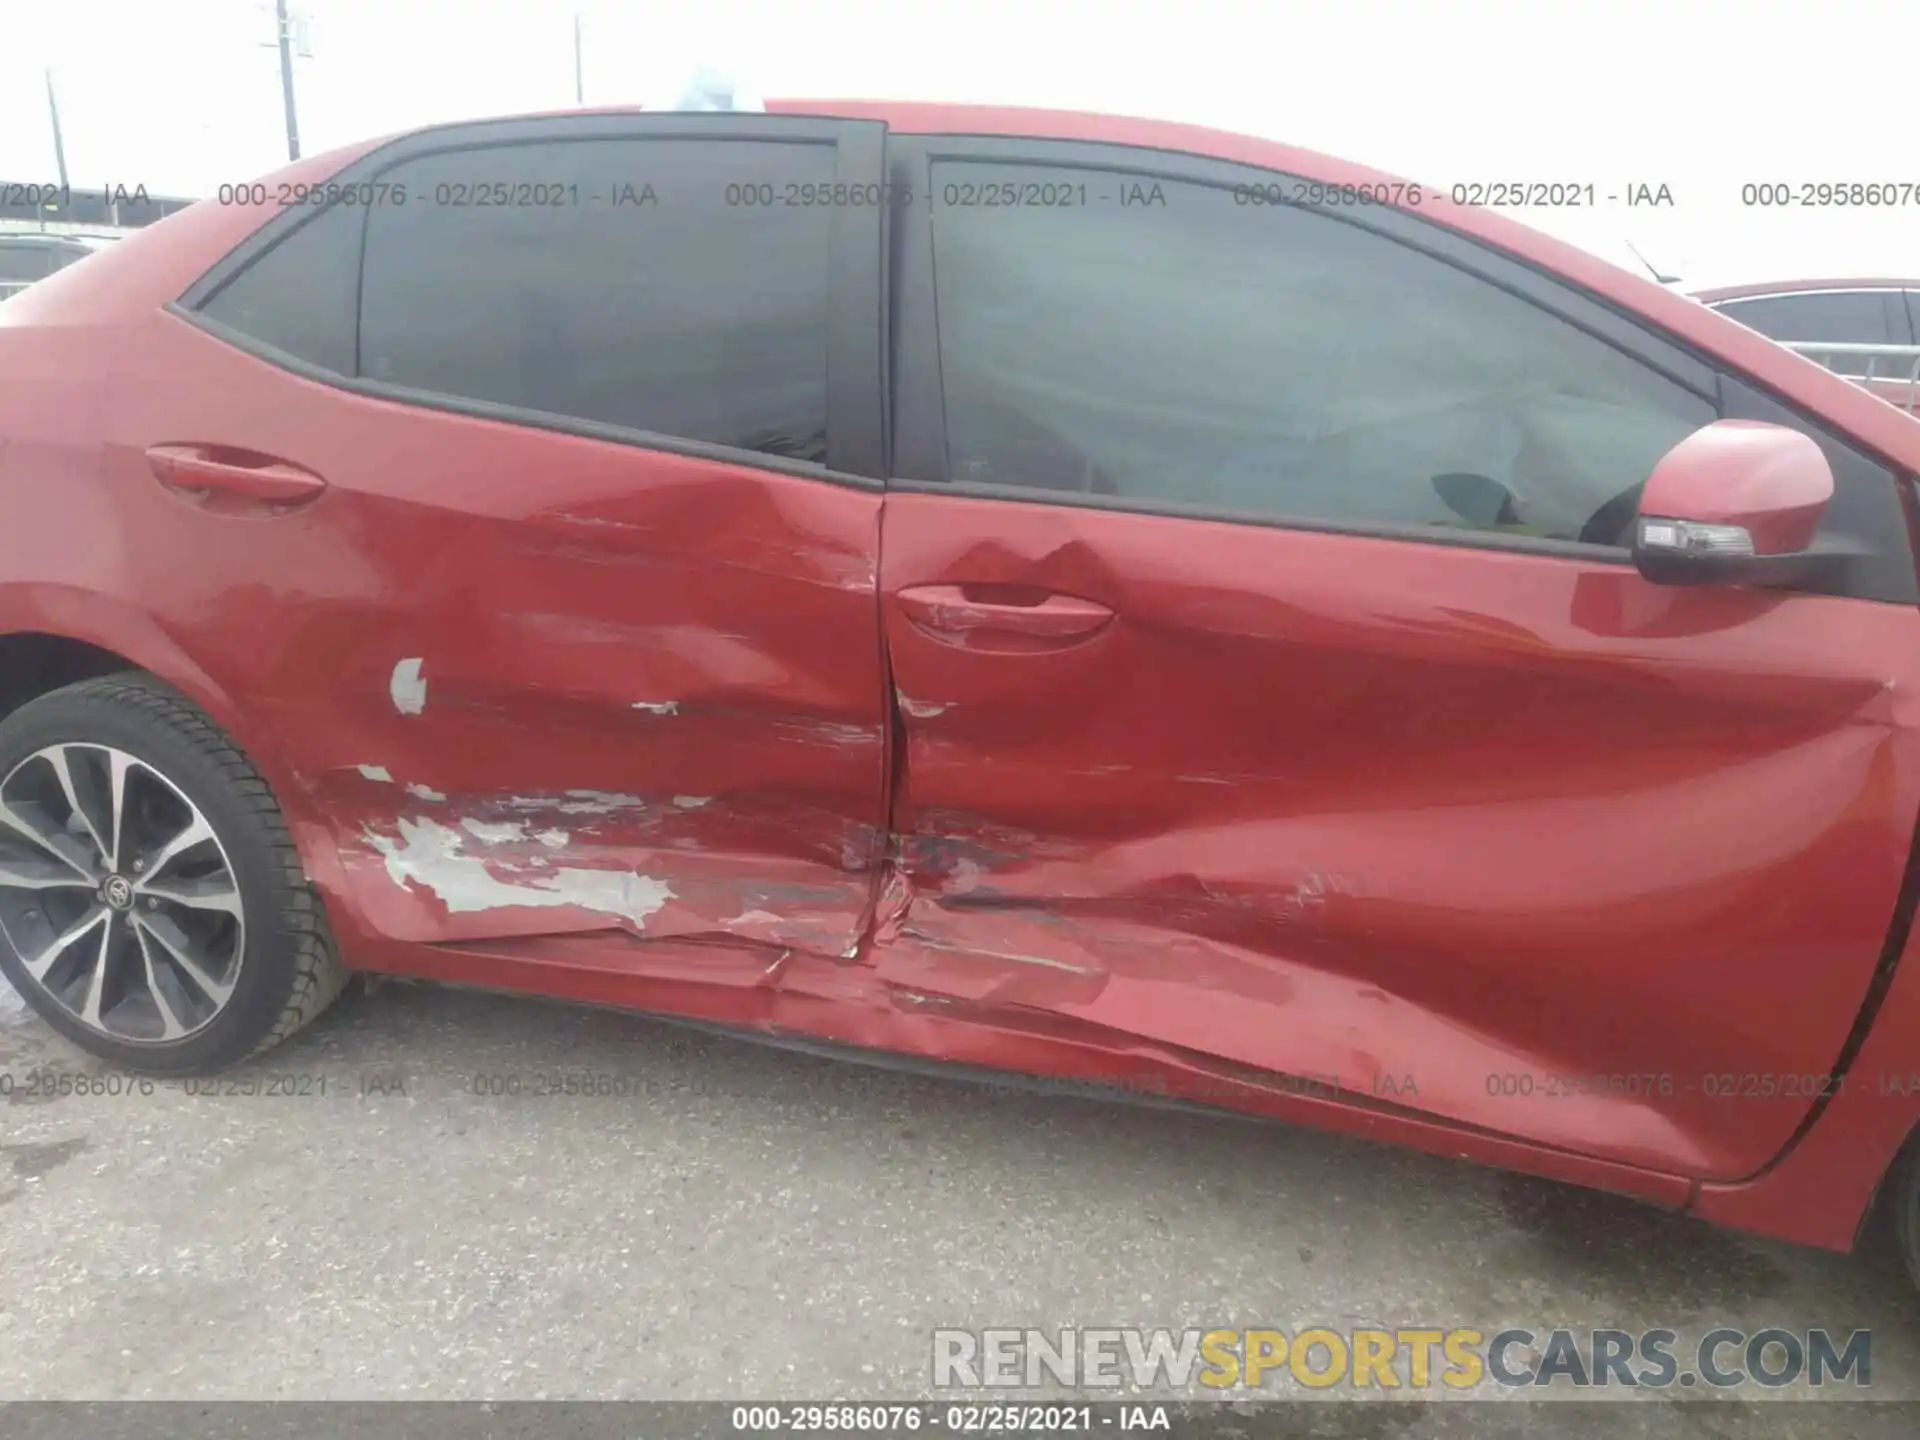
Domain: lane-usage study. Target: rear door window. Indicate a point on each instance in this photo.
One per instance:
(299, 297)
(694, 281)
(628, 282)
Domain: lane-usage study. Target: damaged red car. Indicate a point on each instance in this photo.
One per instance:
(1078, 596)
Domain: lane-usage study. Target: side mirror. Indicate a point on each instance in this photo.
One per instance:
(1736, 503)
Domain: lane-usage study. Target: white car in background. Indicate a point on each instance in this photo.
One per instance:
(1867, 330)
(27, 256)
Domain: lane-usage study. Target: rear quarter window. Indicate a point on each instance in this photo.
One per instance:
(300, 296)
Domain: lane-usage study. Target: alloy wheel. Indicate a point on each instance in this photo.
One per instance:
(116, 894)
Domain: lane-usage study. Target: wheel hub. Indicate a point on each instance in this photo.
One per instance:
(116, 896)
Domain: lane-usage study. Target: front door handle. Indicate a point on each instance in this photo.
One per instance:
(204, 472)
(1003, 617)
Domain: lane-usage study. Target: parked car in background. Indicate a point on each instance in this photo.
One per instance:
(1089, 597)
(25, 258)
(1867, 330)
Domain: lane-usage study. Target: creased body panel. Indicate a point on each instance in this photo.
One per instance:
(1821, 1189)
(530, 682)
(1523, 842)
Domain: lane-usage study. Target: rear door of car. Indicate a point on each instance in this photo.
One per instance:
(580, 638)
(1276, 687)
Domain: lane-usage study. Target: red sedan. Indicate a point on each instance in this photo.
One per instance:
(1086, 597)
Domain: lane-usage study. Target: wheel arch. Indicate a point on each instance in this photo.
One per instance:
(32, 663)
(75, 630)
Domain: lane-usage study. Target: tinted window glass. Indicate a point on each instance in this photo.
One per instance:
(1193, 352)
(618, 285)
(1854, 317)
(299, 296)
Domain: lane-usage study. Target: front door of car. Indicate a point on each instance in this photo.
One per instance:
(1276, 686)
(580, 637)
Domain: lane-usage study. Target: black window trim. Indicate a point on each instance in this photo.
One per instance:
(856, 374)
(918, 399)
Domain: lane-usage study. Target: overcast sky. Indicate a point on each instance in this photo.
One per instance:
(1700, 95)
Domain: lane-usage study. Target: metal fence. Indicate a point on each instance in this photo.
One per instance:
(1890, 371)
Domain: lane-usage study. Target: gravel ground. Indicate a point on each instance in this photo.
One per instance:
(746, 1221)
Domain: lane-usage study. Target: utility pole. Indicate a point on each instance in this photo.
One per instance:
(285, 37)
(59, 149)
(579, 83)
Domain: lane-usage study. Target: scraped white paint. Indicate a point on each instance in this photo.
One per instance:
(920, 709)
(1312, 892)
(755, 917)
(1034, 960)
(692, 802)
(598, 802)
(424, 792)
(1043, 960)
(503, 834)
(408, 687)
(1306, 901)
(376, 772)
(837, 732)
(964, 877)
(552, 839)
(658, 707)
(432, 855)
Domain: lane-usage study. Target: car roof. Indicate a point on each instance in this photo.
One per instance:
(41, 237)
(1797, 287)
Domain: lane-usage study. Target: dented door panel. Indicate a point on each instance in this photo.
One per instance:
(533, 683)
(1521, 842)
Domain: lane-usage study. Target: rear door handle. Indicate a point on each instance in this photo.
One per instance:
(1034, 620)
(207, 471)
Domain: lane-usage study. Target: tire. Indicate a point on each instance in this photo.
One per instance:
(207, 943)
(1901, 1197)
